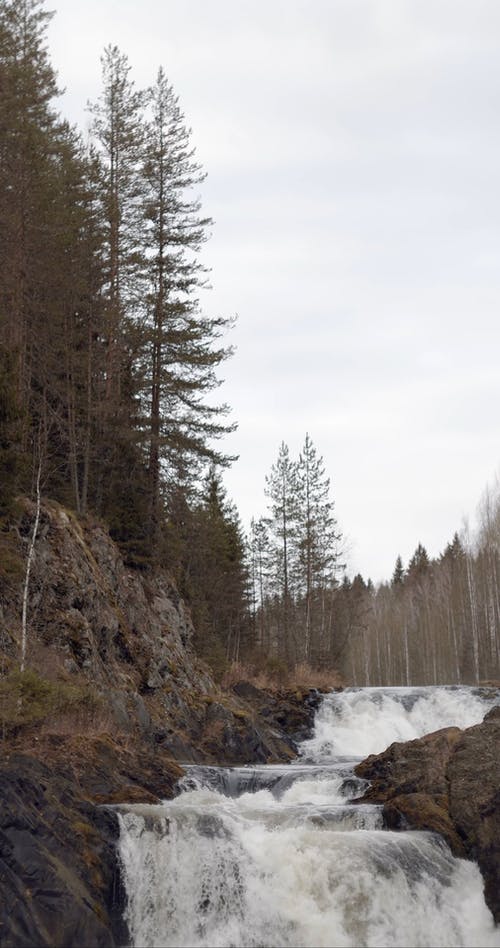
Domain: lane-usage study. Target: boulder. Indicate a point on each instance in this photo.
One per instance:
(474, 800)
(447, 782)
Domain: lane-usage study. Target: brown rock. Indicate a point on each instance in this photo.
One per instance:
(413, 767)
(423, 811)
(448, 782)
(474, 799)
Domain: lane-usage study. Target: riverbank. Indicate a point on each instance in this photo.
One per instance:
(112, 701)
(60, 880)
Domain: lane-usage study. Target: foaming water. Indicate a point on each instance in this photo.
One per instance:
(362, 721)
(285, 856)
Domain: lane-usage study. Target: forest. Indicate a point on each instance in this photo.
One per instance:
(108, 382)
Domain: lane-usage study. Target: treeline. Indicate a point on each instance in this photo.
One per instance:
(437, 620)
(107, 362)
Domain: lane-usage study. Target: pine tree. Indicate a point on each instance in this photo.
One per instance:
(66, 348)
(281, 491)
(118, 130)
(45, 291)
(117, 127)
(317, 538)
(259, 569)
(183, 349)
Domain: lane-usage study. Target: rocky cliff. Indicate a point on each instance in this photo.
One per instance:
(112, 702)
(121, 640)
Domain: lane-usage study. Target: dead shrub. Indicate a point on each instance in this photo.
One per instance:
(273, 675)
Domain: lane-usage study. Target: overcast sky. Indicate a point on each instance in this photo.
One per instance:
(352, 151)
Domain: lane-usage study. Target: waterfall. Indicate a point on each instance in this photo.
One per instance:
(362, 721)
(281, 856)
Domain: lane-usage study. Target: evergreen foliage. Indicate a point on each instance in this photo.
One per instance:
(293, 557)
(399, 573)
(107, 362)
(99, 284)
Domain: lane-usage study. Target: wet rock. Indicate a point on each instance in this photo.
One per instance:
(411, 810)
(474, 799)
(288, 712)
(447, 782)
(239, 734)
(58, 865)
(413, 767)
(59, 874)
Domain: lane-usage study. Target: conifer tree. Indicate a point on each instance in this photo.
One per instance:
(44, 285)
(281, 491)
(118, 131)
(418, 565)
(10, 417)
(28, 129)
(117, 127)
(217, 576)
(260, 568)
(317, 538)
(182, 344)
(399, 573)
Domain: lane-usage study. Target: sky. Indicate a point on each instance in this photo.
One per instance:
(352, 153)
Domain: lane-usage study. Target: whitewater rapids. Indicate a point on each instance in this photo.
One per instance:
(281, 856)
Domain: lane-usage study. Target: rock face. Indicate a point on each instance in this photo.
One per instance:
(59, 877)
(474, 795)
(448, 782)
(289, 711)
(128, 633)
(119, 639)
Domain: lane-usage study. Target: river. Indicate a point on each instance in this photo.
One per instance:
(282, 856)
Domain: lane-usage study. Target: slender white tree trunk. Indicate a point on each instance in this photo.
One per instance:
(28, 568)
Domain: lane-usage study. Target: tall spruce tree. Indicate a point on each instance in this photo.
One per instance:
(28, 136)
(182, 344)
(399, 573)
(118, 131)
(217, 575)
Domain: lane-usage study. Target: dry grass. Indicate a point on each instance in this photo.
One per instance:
(85, 721)
(29, 701)
(274, 676)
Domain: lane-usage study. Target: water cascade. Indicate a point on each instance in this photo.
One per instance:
(281, 856)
